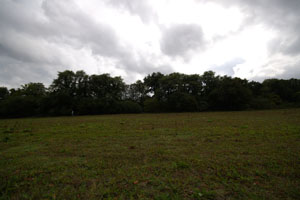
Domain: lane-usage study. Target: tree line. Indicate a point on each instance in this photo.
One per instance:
(81, 94)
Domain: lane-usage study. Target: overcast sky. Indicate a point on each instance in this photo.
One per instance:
(253, 39)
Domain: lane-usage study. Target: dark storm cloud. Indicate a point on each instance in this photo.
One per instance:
(180, 39)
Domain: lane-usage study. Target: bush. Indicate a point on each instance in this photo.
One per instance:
(19, 106)
(152, 105)
(262, 103)
(86, 106)
(182, 102)
(203, 105)
(130, 107)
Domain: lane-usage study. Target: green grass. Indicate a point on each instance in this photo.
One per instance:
(217, 155)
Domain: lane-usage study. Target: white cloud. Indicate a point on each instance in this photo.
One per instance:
(249, 39)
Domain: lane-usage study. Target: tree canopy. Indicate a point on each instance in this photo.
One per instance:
(81, 94)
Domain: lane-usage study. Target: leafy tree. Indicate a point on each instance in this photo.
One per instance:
(65, 83)
(255, 87)
(33, 89)
(18, 106)
(193, 85)
(231, 94)
(130, 107)
(97, 94)
(296, 97)
(105, 87)
(3, 93)
(280, 88)
(81, 84)
(63, 90)
(152, 82)
(182, 102)
(152, 104)
(209, 81)
(170, 84)
(137, 92)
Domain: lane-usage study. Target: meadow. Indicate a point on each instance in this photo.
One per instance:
(207, 155)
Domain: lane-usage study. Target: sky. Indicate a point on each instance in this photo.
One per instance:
(252, 39)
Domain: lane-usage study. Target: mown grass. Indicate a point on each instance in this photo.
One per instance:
(217, 155)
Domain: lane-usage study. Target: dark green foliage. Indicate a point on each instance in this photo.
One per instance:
(85, 106)
(65, 83)
(210, 82)
(76, 93)
(152, 82)
(153, 105)
(104, 86)
(231, 94)
(59, 103)
(203, 105)
(182, 102)
(262, 103)
(296, 97)
(19, 106)
(3, 93)
(136, 92)
(23, 102)
(33, 89)
(130, 107)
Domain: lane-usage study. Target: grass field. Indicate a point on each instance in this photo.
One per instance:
(216, 155)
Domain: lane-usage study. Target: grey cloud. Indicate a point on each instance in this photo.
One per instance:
(15, 73)
(282, 17)
(75, 24)
(227, 68)
(21, 15)
(143, 65)
(293, 48)
(63, 24)
(36, 40)
(40, 37)
(29, 50)
(288, 46)
(136, 7)
(292, 71)
(180, 39)
(278, 15)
